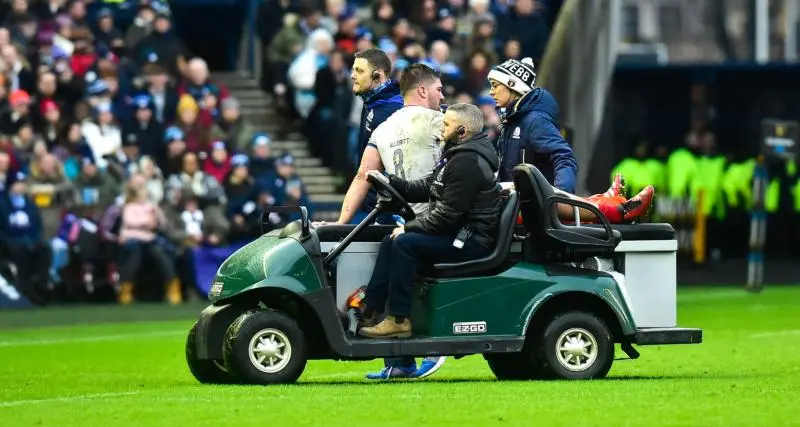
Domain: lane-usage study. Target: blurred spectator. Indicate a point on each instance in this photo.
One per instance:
(303, 70)
(141, 221)
(196, 130)
(346, 36)
(102, 133)
(526, 23)
(208, 192)
(164, 96)
(287, 44)
(144, 131)
(21, 238)
(94, 189)
(478, 69)
(174, 138)
(383, 18)
(154, 179)
(142, 24)
(18, 71)
(218, 164)
(242, 211)
(5, 172)
(261, 162)
(288, 188)
(327, 128)
(161, 47)
(18, 115)
(50, 190)
(207, 93)
(232, 127)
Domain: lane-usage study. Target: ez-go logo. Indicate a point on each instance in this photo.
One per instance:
(460, 328)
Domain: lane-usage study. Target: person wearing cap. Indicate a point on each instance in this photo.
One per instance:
(262, 164)
(171, 161)
(102, 133)
(218, 164)
(242, 209)
(161, 46)
(382, 98)
(530, 134)
(21, 239)
(19, 114)
(288, 188)
(144, 130)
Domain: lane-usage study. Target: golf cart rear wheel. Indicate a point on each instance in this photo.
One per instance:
(265, 347)
(205, 371)
(577, 345)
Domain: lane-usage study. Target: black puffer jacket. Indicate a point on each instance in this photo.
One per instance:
(461, 191)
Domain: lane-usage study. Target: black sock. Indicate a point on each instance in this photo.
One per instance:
(368, 312)
(399, 319)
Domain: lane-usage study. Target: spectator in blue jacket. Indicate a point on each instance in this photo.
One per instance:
(21, 239)
(530, 133)
(370, 76)
(288, 188)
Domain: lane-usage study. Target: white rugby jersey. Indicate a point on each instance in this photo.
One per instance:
(408, 143)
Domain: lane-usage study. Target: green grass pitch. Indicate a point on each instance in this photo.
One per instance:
(131, 372)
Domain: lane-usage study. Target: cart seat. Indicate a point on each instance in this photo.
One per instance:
(647, 231)
(337, 232)
(547, 236)
(505, 234)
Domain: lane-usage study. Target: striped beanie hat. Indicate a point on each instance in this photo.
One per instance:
(519, 76)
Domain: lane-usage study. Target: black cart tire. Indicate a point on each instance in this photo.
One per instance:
(522, 366)
(265, 347)
(577, 345)
(205, 371)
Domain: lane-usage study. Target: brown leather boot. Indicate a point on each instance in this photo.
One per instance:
(388, 328)
(174, 295)
(125, 296)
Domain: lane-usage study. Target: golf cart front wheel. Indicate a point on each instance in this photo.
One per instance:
(265, 347)
(205, 371)
(577, 345)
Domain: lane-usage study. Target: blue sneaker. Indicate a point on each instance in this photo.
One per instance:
(391, 372)
(429, 366)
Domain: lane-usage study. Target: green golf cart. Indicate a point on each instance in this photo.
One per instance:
(550, 301)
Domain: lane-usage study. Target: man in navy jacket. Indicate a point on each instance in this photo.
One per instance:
(370, 76)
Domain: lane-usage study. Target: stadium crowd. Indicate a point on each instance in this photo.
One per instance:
(118, 151)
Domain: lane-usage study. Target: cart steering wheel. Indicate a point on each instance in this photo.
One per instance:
(389, 200)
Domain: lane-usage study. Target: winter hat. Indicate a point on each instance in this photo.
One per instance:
(187, 103)
(519, 76)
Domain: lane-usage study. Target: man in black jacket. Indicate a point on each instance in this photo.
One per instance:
(460, 224)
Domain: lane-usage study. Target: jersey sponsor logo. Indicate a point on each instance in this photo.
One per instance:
(517, 133)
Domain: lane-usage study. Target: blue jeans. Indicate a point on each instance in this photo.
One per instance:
(396, 267)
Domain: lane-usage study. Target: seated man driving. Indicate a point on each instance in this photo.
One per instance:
(460, 224)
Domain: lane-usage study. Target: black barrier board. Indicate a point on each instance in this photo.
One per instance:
(779, 138)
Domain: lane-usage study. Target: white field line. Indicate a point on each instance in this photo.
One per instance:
(65, 399)
(97, 338)
(777, 333)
